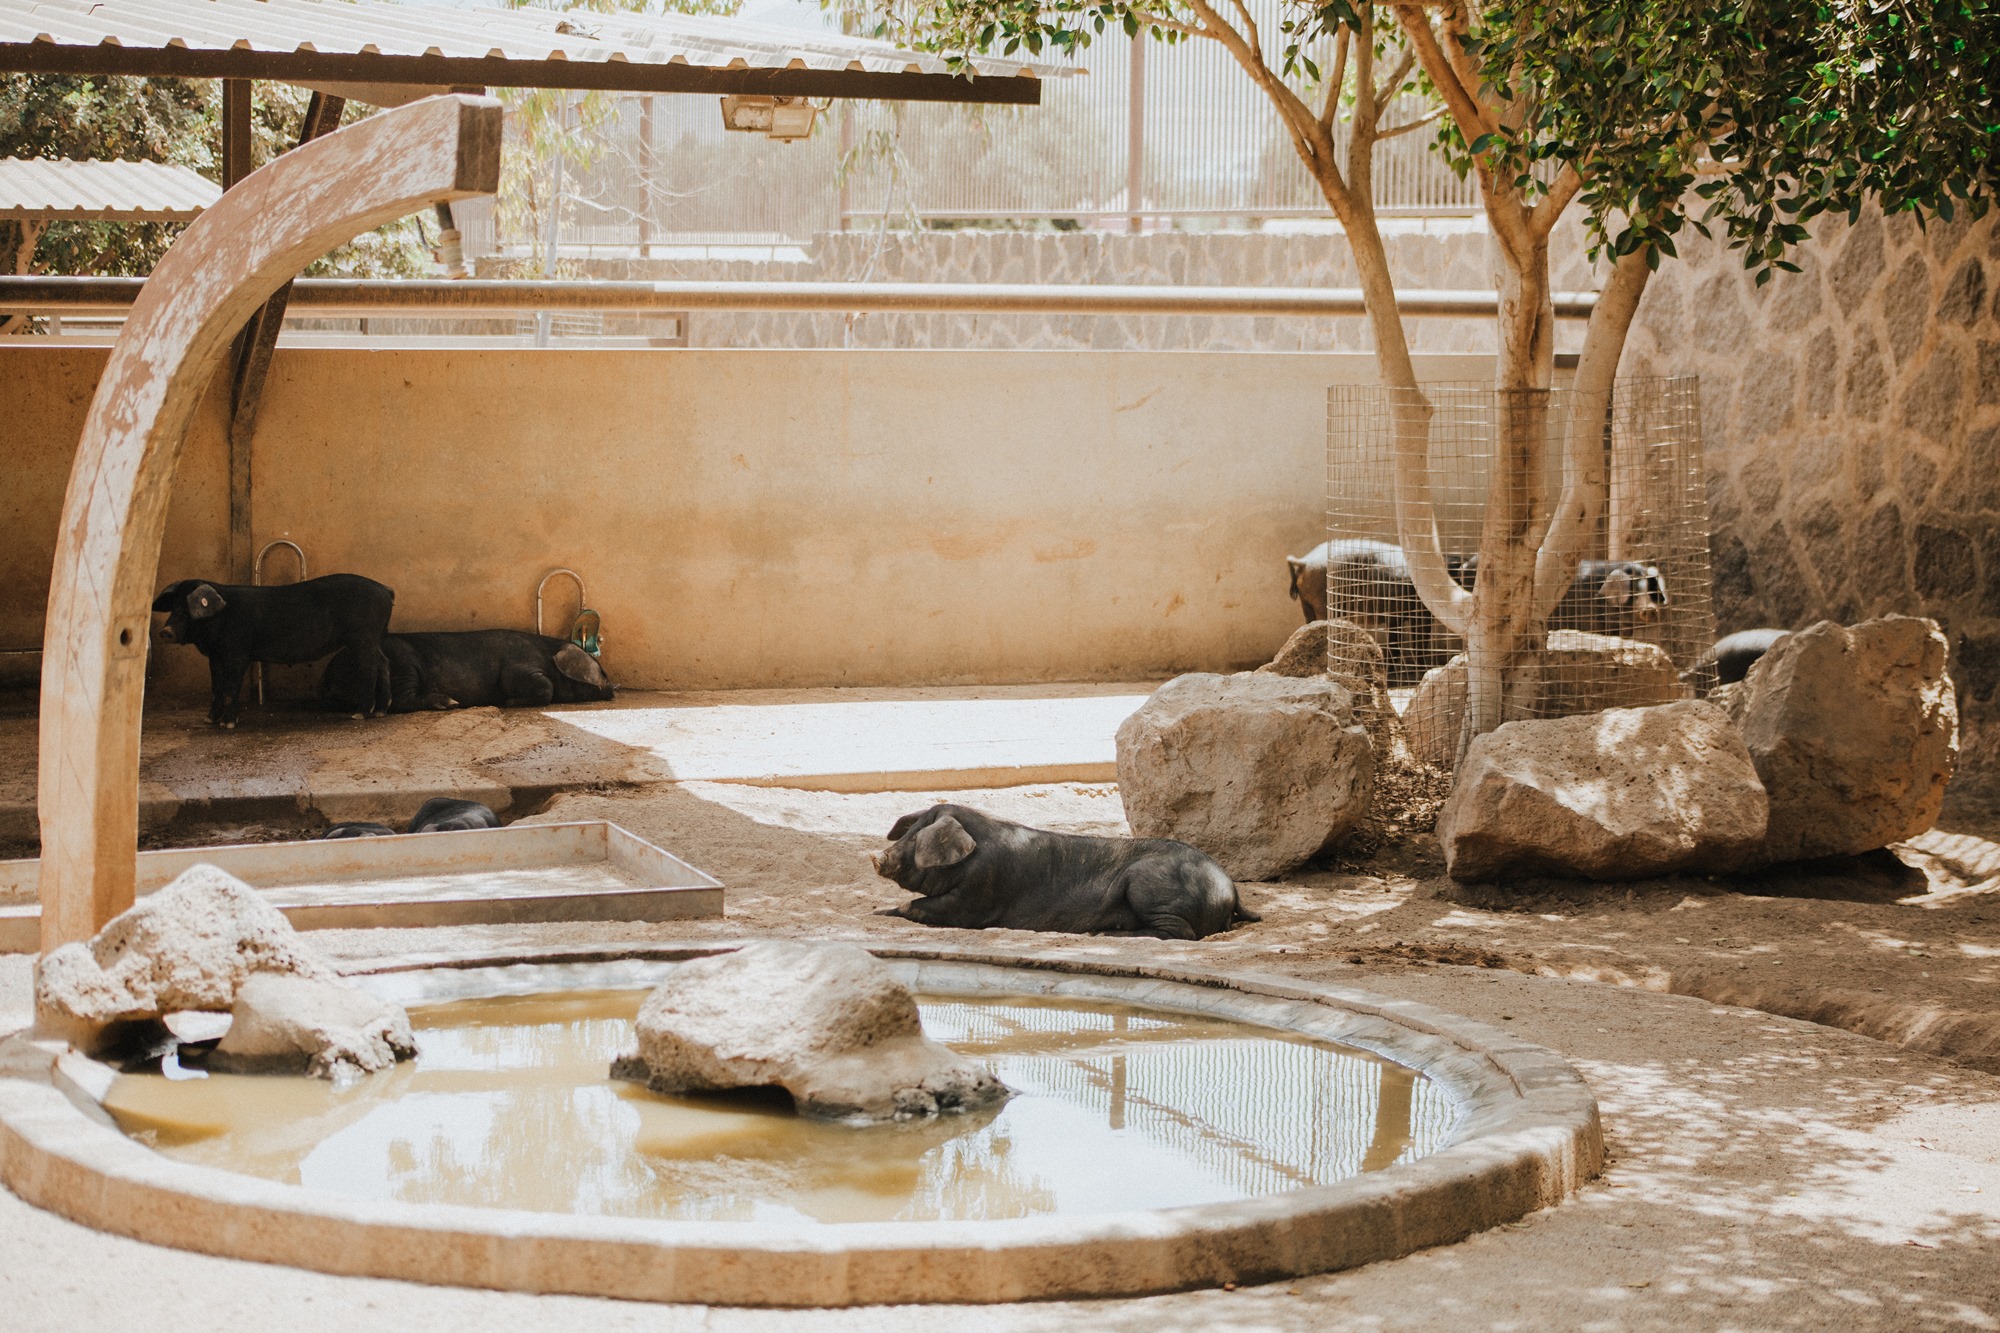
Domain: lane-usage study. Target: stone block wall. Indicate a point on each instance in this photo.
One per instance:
(1851, 414)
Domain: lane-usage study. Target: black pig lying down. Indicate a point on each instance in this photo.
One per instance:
(234, 625)
(504, 668)
(443, 814)
(356, 829)
(978, 872)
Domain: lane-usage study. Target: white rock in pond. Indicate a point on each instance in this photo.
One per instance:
(1577, 673)
(1854, 732)
(289, 1025)
(1625, 793)
(190, 945)
(829, 1023)
(1259, 771)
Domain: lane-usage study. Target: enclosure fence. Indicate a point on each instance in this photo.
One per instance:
(1632, 625)
(1179, 132)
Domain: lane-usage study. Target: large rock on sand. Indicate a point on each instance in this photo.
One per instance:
(1259, 771)
(1854, 732)
(1625, 793)
(828, 1023)
(1577, 673)
(301, 1025)
(191, 945)
(1348, 655)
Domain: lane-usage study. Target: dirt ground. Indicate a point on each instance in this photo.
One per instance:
(1765, 1172)
(1902, 946)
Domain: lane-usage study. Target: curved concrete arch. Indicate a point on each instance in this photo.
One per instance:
(227, 264)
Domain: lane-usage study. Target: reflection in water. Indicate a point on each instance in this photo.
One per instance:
(509, 1105)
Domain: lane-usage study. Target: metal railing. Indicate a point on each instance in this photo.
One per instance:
(336, 297)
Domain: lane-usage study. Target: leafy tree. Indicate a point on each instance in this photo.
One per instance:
(178, 121)
(60, 116)
(1614, 108)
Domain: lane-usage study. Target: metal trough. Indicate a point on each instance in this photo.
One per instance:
(592, 871)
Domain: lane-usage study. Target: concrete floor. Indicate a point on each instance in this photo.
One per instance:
(285, 765)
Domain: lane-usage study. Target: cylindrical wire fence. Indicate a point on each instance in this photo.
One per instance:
(1631, 625)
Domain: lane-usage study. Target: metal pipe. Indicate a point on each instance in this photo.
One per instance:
(257, 580)
(348, 297)
(542, 587)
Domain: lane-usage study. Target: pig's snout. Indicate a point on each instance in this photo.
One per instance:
(875, 859)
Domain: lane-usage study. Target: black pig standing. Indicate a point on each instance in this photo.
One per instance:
(233, 625)
(972, 870)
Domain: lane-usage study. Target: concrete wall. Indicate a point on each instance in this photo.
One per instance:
(1852, 421)
(766, 518)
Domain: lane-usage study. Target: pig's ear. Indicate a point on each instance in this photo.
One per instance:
(944, 843)
(204, 601)
(1297, 566)
(902, 826)
(579, 666)
(169, 597)
(1617, 588)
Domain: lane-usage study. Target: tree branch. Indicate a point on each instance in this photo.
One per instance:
(1472, 118)
(1314, 143)
(1549, 211)
(1581, 504)
(1150, 19)
(1393, 85)
(1331, 106)
(1250, 29)
(1407, 126)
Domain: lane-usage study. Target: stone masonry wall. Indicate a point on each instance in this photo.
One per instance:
(1851, 415)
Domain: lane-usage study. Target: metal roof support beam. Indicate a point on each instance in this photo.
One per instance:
(317, 69)
(236, 136)
(224, 266)
(254, 349)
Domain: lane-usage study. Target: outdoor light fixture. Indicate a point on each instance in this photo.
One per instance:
(784, 118)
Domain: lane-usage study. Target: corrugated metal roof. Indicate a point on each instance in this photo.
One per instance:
(360, 36)
(44, 190)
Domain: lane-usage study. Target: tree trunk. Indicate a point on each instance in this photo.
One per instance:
(1584, 484)
(1503, 623)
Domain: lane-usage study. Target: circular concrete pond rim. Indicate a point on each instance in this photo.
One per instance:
(1527, 1136)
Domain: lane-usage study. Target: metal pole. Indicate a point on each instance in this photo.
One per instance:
(351, 297)
(552, 233)
(1135, 136)
(236, 154)
(645, 174)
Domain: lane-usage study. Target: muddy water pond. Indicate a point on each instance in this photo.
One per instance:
(510, 1105)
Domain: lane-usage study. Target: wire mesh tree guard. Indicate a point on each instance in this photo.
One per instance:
(1632, 623)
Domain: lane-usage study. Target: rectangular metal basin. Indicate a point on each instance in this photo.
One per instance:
(592, 871)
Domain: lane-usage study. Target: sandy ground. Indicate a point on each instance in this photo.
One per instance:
(1766, 1172)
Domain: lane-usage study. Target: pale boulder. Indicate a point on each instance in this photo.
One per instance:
(1259, 771)
(1854, 732)
(1348, 655)
(191, 945)
(1625, 793)
(1576, 673)
(291, 1025)
(829, 1023)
